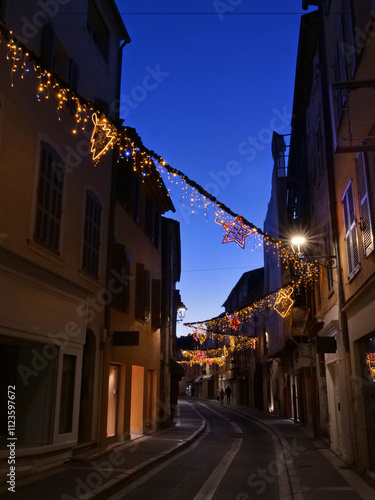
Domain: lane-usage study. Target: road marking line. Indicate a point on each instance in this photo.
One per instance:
(236, 427)
(211, 485)
(138, 482)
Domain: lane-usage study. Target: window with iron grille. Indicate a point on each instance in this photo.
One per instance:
(351, 235)
(91, 237)
(49, 199)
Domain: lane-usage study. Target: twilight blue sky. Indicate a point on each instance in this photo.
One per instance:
(204, 90)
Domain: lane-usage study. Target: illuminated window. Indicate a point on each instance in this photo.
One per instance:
(49, 199)
(98, 29)
(91, 240)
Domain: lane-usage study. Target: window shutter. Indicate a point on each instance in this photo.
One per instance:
(140, 292)
(73, 75)
(351, 236)
(147, 282)
(364, 205)
(49, 199)
(156, 304)
(118, 266)
(47, 48)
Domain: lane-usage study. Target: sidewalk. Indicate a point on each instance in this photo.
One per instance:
(314, 471)
(98, 476)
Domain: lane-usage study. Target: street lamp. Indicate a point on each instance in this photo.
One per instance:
(298, 243)
(181, 312)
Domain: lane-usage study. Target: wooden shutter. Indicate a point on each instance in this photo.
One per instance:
(147, 285)
(364, 204)
(73, 75)
(156, 304)
(47, 48)
(351, 236)
(118, 266)
(140, 292)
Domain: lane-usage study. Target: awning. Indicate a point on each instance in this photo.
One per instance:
(198, 379)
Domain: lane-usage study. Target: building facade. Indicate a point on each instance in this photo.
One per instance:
(81, 268)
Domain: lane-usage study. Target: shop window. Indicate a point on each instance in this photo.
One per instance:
(91, 240)
(67, 394)
(49, 199)
(35, 390)
(351, 236)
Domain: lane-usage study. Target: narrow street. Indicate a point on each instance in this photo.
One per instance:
(225, 462)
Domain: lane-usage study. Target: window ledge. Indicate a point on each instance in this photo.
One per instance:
(89, 279)
(44, 252)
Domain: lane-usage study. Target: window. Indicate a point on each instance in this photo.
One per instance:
(98, 29)
(152, 221)
(364, 204)
(67, 394)
(142, 293)
(49, 199)
(2, 9)
(47, 47)
(121, 266)
(351, 236)
(91, 238)
(156, 304)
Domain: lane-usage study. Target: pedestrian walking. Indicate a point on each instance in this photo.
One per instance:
(228, 392)
(222, 394)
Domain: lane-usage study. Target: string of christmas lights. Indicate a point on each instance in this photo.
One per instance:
(107, 134)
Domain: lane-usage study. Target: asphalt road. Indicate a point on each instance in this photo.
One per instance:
(235, 459)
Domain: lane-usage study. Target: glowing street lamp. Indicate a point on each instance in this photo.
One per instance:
(298, 243)
(181, 312)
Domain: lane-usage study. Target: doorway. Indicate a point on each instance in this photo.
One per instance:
(136, 406)
(112, 400)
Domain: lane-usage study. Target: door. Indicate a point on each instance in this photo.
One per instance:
(112, 400)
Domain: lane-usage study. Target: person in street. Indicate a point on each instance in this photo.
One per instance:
(228, 392)
(222, 395)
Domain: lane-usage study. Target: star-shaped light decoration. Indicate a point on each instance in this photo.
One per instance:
(102, 138)
(235, 231)
(284, 302)
(234, 322)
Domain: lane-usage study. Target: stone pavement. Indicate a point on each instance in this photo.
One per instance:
(98, 476)
(314, 471)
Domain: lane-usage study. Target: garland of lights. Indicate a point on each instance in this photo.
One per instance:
(235, 231)
(370, 362)
(106, 135)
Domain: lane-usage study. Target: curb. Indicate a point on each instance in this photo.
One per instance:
(112, 486)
